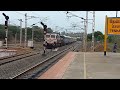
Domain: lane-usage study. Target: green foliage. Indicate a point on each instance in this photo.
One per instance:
(2, 34)
(49, 30)
(97, 35)
(15, 30)
(89, 37)
(113, 38)
(38, 35)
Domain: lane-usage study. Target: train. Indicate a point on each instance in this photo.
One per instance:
(54, 40)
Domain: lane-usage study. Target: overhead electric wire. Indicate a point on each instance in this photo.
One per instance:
(13, 23)
(35, 14)
(19, 13)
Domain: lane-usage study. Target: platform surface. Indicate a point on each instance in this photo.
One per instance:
(89, 65)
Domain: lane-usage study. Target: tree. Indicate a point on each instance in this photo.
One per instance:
(97, 35)
(49, 30)
(2, 34)
(89, 37)
(12, 30)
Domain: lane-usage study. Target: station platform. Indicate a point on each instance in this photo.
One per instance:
(85, 65)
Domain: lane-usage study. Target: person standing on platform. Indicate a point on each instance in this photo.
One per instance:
(115, 48)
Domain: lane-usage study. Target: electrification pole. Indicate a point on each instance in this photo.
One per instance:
(32, 33)
(84, 37)
(25, 30)
(86, 27)
(93, 29)
(20, 30)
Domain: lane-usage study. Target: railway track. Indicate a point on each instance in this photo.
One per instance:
(8, 59)
(17, 57)
(41, 67)
(23, 67)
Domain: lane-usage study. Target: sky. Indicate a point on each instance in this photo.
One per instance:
(57, 20)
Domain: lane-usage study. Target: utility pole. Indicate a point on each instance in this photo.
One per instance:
(93, 29)
(84, 37)
(20, 30)
(32, 33)
(25, 30)
(86, 27)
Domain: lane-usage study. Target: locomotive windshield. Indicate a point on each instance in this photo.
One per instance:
(47, 36)
(52, 36)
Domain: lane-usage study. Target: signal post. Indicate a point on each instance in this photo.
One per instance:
(45, 31)
(6, 27)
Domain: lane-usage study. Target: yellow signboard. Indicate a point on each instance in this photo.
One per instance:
(113, 25)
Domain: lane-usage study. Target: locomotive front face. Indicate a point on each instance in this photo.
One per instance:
(51, 38)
